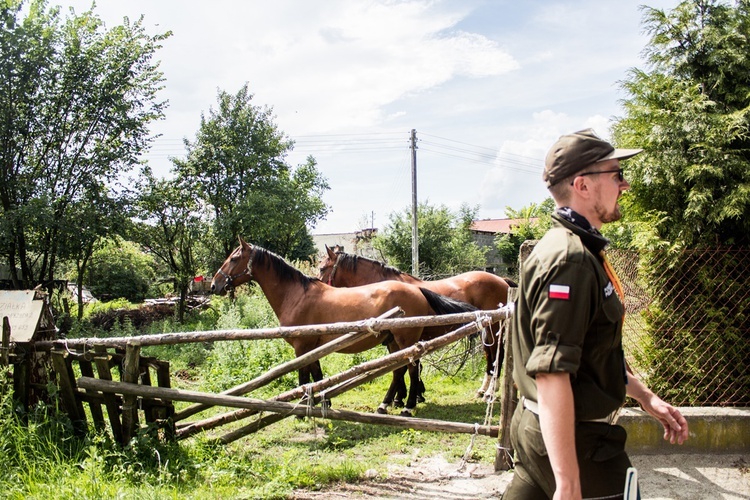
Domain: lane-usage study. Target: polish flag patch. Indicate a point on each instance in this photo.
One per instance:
(559, 292)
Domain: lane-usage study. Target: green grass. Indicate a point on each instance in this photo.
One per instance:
(42, 459)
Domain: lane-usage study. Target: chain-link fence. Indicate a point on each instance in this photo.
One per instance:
(687, 327)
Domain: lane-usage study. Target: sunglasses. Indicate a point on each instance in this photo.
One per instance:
(620, 174)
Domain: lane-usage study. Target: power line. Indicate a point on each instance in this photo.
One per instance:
(380, 142)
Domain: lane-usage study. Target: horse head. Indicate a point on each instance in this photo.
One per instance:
(235, 270)
(328, 266)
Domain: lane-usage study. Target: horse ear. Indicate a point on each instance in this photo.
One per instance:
(243, 243)
(331, 253)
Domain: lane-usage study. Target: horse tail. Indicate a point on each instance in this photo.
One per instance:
(511, 283)
(445, 305)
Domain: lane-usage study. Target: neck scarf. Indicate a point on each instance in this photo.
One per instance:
(579, 220)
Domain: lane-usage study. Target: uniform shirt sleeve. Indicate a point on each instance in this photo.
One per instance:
(561, 301)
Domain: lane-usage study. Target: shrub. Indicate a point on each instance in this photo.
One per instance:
(120, 270)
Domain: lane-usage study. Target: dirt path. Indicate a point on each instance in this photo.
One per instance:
(662, 477)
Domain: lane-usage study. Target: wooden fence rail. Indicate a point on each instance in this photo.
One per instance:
(287, 409)
(134, 394)
(280, 332)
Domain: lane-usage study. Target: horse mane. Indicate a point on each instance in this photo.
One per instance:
(284, 270)
(349, 262)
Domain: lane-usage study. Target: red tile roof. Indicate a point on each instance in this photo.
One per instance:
(497, 225)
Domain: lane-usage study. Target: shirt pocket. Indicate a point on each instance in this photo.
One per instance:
(609, 322)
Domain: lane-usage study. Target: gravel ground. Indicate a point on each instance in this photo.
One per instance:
(661, 477)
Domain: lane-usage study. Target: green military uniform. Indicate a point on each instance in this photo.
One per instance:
(568, 319)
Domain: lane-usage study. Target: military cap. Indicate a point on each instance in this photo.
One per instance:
(574, 152)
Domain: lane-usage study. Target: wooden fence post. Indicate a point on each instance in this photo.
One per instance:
(129, 408)
(504, 453)
(6, 342)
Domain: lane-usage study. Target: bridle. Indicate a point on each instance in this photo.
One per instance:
(335, 266)
(230, 277)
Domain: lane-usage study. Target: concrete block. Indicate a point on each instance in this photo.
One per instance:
(712, 430)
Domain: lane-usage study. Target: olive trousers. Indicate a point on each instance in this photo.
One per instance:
(600, 448)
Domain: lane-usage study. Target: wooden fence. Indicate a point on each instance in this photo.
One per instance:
(117, 381)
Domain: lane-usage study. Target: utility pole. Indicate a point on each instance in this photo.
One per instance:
(414, 234)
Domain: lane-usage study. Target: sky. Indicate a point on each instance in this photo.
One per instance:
(487, 86)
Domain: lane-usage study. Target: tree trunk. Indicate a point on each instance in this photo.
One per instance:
(183, 301)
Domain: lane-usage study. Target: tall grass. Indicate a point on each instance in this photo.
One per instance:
(41, 458)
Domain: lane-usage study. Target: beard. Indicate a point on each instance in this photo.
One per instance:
(606, 215)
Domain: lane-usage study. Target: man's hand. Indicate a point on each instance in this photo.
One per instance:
(675, 425)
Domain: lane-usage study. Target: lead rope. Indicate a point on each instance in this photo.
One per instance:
(492, 388)
(612, 275)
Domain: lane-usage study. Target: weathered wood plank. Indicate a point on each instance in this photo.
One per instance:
(136, 390)
(283, 332)
(130, 376)
(66, 382)
(94, 406)
(102, 361)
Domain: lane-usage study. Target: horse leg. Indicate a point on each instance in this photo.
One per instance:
(393, 390)
(411, 402)
(421, 389)
(488, 355)
(399, 382)
(498, 353)
(397, 391)
(303, 375)
(488, 344)
(316, 372)
(401, 392)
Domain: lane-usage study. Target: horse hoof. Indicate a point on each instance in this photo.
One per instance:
(420, 399)
(382, 411)
(407, 412)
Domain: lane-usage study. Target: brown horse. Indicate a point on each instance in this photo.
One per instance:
(297, 299)
(483, 290)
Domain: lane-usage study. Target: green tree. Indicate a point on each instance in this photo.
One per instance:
(532, 222)
(691, 114)
(75, 106)
(172, 227)
(690, 111)
(97, 215)
(446, 247)
(279, 215)
(119, 269)
(236, 165)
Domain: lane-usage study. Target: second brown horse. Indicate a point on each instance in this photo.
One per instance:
(481, 289)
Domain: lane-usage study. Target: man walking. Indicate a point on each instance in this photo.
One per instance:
(570, 368)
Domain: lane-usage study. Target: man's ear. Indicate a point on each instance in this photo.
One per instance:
(581, 186)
